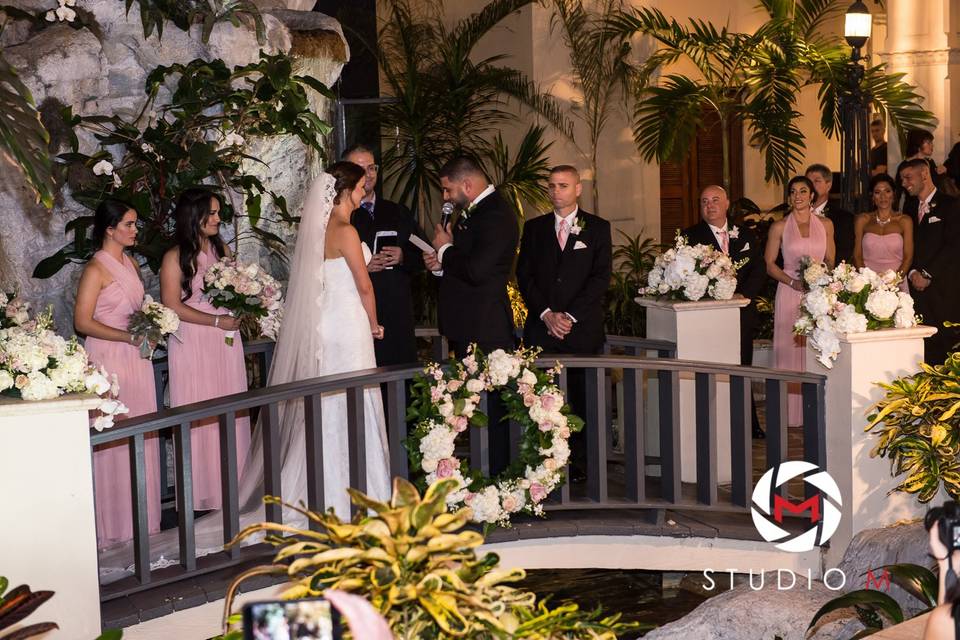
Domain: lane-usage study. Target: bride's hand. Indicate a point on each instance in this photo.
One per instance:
(377, 332)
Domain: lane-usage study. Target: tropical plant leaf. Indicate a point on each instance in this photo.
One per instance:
(868, 598)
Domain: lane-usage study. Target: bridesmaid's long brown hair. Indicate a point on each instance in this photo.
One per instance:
(193, 209)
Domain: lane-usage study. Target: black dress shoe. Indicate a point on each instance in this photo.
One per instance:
(759, 434)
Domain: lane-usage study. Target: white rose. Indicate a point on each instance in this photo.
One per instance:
(474, 385)
(6, 380)
(528, 377)
(856, 283)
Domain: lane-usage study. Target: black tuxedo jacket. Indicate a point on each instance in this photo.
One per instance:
(474, 305)
(392, 286)
(751, 277)
(572, 281)
(843, 232)
(936, 242)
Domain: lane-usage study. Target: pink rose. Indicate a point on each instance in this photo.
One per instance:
(510, 503)
(446, 467)
(548, 401)
(435, 394)
(564, 432)
(537, 492)
(453, 385)
(469, 497)
(529, 399)
(459, 423)
(546, 426)
(437, 374)
(523, 389)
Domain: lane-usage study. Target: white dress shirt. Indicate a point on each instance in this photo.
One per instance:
(717, 231)
(557, 219)
(925, 201)
(818, 210)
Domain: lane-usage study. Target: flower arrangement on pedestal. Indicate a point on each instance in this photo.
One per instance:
(38, 364)
(446, 401)
(848, 300)
(246, 291)
(686, 272)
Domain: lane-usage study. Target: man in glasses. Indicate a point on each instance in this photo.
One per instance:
(386, 227)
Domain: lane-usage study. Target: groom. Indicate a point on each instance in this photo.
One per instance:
(473, 260)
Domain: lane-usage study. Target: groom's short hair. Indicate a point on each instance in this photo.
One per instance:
(566, 168)
(460, 167)
(917, 163)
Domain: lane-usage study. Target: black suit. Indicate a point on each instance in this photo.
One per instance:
(573, 281)
(392, 286)
(474, 305)
(751, 277)
(843, 232)
(936, 242)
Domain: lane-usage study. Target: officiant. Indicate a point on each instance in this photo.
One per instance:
(386, 228)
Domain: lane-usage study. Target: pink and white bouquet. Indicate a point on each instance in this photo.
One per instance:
(245, 290)
(686, 272)
(849, 300)
(152, 324)
(13, 310)
(38, 364)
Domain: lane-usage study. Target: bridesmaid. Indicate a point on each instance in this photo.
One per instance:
(110, 290)
(799, 234)
(202, 365)
(884, 237)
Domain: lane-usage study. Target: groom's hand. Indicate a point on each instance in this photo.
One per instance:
(431, 262)
(442, 236)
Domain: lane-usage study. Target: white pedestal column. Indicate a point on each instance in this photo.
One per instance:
(708, 331)
(48, 536)
(865, 359)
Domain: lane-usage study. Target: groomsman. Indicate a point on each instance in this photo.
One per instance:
(563, 271)
(474, 259)
(391, 266)
(936, 260)
(822, 179)
(739, 243)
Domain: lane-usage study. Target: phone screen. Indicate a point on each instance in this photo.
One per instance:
(312, 619)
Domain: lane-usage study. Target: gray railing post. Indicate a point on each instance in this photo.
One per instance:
(141, 528)
(270, 430)
(634, 451)
(596, 435)
(230, 499)
(706, 427)
(741, 446)
(669, 383)
(184, 465)
(356, 441)
(480, 441)
(397, 425)
(313, 425)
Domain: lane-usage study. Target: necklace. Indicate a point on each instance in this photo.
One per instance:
(882, 222)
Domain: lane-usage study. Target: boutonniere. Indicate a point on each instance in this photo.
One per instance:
(734, 233)
(465, 215)
(932, 204)
(578, 225)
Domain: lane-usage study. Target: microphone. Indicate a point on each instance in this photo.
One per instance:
(445, 212)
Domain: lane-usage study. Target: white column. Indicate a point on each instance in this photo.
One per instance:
(865, 360)
(48, 536)
(708, 331)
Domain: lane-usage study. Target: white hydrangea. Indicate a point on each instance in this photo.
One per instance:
(485, 505)
(695, 286)
(39, 387)
(723, 289)
(850, 321)
(882, 304)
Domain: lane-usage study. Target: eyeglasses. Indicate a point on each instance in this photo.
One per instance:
(372, 169)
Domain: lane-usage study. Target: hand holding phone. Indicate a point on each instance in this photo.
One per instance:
(307, 619)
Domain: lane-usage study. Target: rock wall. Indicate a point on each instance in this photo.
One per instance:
(101, 70)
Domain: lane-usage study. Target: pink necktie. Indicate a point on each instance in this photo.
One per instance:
(562, 234)
(724, 241)
(923, 210)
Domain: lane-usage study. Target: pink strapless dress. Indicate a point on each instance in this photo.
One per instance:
(202, 367)
(884, 252)
(111, 463)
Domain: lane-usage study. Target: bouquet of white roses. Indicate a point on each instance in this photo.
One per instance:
(152, 323)
(686, 272)
(245, 290)
(38, 364)
(849, 300)
(13, 311)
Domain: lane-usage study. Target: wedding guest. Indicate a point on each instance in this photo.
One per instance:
(474, 260)
(110, 291)
(563, 273)
(715, 229)
(822, 179)
(878, 153)
(801, 234)
(393, 264)
(936, 260)
(202, 364)
(944, 621)
(884, 237)
(919, 147)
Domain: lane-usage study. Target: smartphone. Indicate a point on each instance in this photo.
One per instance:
(308, 619)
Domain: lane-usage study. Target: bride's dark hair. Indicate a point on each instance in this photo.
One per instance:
(193, 209)
(347, 176)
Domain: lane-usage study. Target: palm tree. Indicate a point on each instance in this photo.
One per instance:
(756, 77)
(599, 61)
(446, 102)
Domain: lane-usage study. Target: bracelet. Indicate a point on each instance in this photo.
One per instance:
(216, 321)
(133, 339)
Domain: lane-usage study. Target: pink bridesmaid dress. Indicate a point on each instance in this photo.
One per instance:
(884, 252)
(111, 463)
(788, 349)
(203, 367)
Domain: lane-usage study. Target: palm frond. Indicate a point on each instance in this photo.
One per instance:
(22, 136)
(466, 33)
(668, 116)
(523, 176)
(895, 98)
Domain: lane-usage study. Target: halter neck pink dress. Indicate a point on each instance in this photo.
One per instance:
(788, 349)
(884, 252)
(202, 367)
(111, 463)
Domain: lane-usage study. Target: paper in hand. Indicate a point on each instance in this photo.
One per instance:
(419, 243)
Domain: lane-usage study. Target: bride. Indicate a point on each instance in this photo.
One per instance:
(329, 324)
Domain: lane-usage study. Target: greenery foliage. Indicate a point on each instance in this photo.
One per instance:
(186, 13)
(20, 602)
(198, 138)
(632, 261)
(756, 77)
(873, 607)
(446, 101)
(918, 429)
(417, 565)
